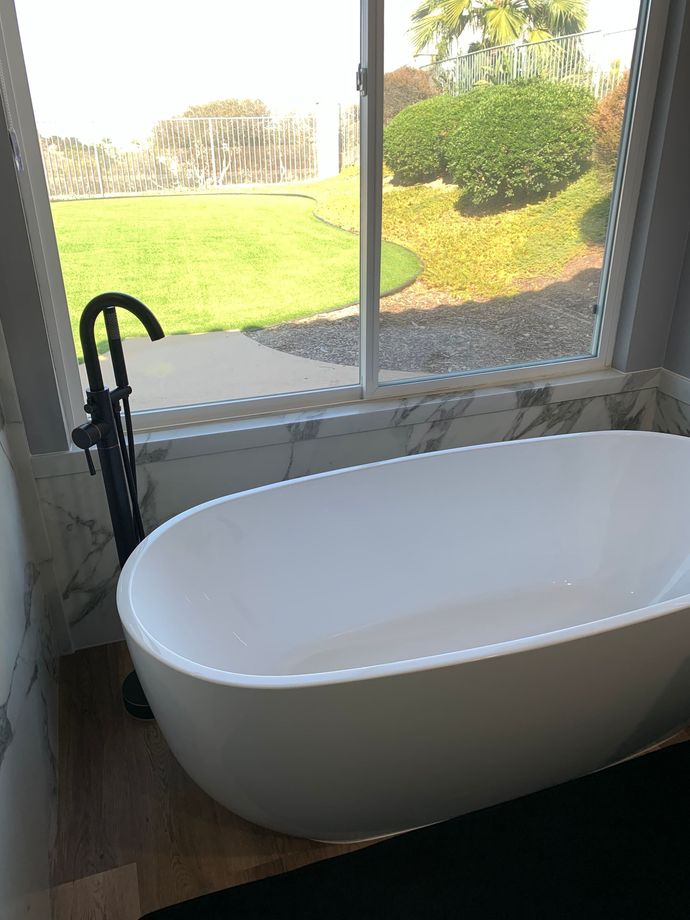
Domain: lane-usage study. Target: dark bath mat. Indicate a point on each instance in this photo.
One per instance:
(614, 845)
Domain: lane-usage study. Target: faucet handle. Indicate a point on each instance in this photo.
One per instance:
(86, 436)
(89, 462)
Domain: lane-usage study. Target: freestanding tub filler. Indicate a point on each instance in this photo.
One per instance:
(372, 649)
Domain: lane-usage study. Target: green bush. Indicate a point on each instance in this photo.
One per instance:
(414, 141)
(520, 141)
(403, 87)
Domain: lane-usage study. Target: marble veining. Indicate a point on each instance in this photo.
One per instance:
(307, 430)
(28, 716)
(672, 415)
(353, 418)
(87, 579)
(6, 731)
(24, 672)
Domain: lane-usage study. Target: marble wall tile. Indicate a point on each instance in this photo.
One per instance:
(28, 716)
(28, 684)
(672, 415)
(76, 514)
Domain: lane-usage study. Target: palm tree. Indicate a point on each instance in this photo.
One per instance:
(496, 22)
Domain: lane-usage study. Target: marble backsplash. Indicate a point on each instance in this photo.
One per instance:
(28, 692)
(176, 474)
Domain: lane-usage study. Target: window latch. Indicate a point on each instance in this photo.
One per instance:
(361, 80)
(16, 151)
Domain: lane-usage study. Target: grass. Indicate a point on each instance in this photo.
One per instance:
(212, 262)
(480, 257)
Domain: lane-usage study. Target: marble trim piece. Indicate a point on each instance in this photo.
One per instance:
(354, 418)
(674, 385)
(672, 414)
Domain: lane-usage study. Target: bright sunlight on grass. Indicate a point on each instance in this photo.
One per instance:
(212, 262)
(229, 261)
(479, 257)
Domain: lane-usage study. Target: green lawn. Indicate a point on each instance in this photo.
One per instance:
(211, 262)
(228, 261)
(480, 257)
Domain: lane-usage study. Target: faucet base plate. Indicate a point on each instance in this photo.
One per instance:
(134, 698)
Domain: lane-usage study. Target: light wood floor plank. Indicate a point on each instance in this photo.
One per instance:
(111, 895)
(125, 799)
(125, 802)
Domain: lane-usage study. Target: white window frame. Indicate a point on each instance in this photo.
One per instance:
(644, 74)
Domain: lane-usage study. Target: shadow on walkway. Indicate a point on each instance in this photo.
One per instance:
(554, 322)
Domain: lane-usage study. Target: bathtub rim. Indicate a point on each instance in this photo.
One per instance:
(149, 644)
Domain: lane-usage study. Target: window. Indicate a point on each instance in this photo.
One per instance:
(302, 242)
(500, 179)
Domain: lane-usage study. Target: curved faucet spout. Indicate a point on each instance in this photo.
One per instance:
(106, 303)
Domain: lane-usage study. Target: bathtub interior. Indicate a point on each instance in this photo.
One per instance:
(434, 554)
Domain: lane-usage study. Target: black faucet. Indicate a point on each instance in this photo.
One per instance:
(105, 432)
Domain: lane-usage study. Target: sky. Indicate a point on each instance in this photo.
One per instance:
(100, 69)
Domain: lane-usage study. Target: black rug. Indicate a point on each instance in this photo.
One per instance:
(614, 845)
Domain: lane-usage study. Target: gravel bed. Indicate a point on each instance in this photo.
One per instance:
(425, 331)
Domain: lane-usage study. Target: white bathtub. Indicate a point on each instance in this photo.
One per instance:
(358, 652)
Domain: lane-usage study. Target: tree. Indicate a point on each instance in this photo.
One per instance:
(497, 22)
(230, 141)
(199, 152)
(227, 108)
(403, 87)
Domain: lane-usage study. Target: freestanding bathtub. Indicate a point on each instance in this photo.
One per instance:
(358, 652)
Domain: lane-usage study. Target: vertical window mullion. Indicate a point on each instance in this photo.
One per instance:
(371, 185)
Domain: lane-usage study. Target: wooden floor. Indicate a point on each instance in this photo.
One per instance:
(126, 805)
(134, 833)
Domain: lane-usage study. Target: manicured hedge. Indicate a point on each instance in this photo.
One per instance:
(414, 141)
(519, 141)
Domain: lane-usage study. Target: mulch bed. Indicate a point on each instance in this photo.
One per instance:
(426, 331)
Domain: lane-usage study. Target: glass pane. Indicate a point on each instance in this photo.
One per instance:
(204, 159)
(500, 152)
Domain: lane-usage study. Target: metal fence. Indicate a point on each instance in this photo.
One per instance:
(349, 136)
(202, 154)
(197, 154)
(593, 59)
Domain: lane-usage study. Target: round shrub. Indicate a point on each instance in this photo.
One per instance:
(520, 141)
(414, 141)
(608, 123)
(403, 87)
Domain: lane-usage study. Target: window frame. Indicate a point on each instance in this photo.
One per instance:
(645, 70)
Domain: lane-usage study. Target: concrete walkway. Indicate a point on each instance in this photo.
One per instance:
(186, 369)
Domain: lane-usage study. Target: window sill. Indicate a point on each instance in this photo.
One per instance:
(356, 418)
